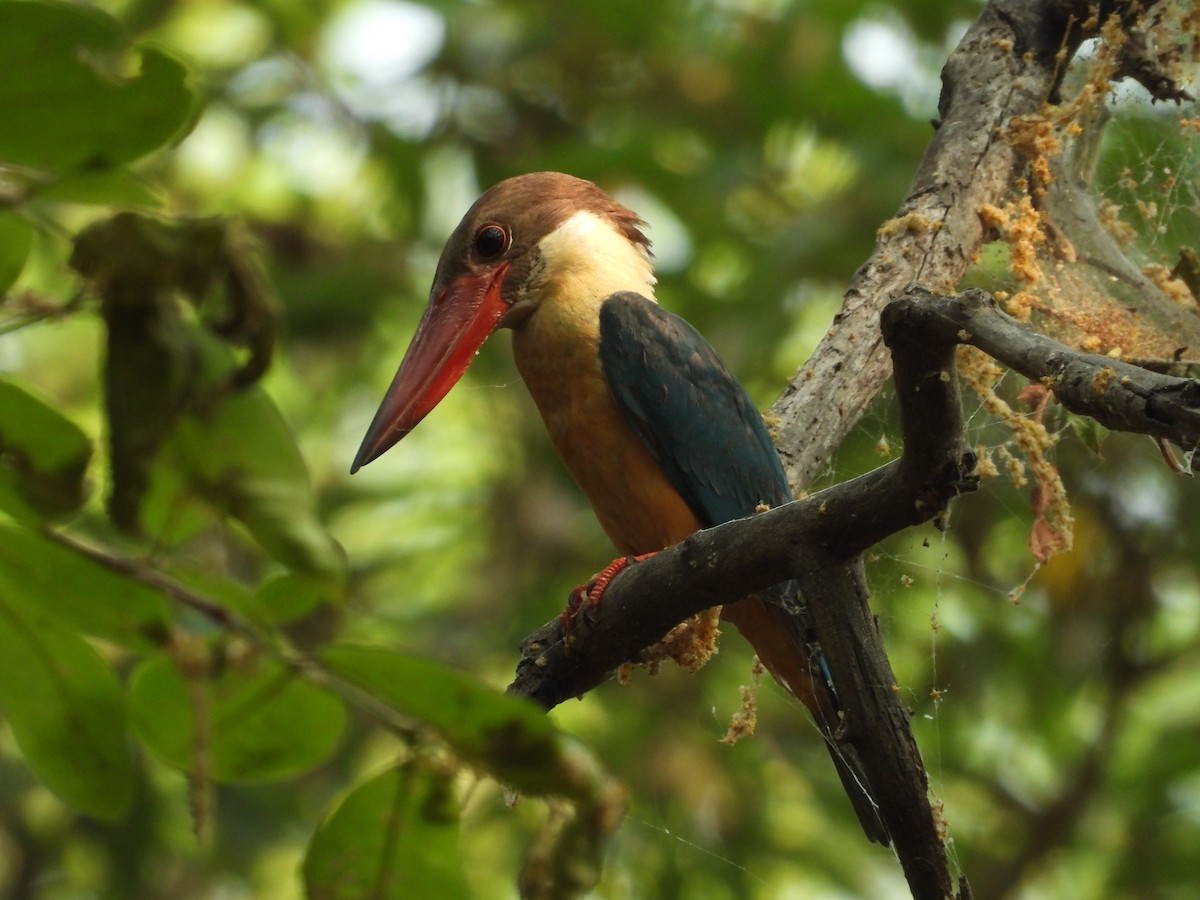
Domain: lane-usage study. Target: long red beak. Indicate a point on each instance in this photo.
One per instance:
(456, 322)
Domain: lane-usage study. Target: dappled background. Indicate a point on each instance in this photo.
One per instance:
(764, 141)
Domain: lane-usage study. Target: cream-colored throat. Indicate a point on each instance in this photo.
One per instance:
(585, 259)
(557, 346)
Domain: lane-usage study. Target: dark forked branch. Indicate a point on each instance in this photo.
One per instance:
(1118, 395)
(818, 540)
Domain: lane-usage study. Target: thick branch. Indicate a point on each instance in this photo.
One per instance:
(1007, 65)
(720, 565)
(817, 541)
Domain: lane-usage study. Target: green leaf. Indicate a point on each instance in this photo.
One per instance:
(393, 836)
(118, 187)
(254, 721)
(1090, 432)
(64, 706)
(66, 98)
(244, 459)
(287, 598)
(508, 736)
(16, 238)
(170, 509)
(43, 457)
(45, 577)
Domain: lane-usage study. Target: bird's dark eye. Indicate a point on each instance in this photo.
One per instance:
(491, 241)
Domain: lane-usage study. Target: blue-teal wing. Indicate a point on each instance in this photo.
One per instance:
(697, 421)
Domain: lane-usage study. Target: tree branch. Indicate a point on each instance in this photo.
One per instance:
(818, 540)
(1118, 395)
(1009, 64)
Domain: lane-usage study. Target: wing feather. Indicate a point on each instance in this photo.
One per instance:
(703, 429)
(697, 421)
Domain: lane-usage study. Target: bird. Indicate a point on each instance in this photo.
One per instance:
(650, 423)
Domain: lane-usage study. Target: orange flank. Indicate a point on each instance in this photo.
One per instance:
(637, 506)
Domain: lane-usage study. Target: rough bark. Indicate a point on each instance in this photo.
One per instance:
(1009, 64)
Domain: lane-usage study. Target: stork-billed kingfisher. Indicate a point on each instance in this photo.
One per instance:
(650, 423)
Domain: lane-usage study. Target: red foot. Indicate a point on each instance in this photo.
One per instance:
(592, 591)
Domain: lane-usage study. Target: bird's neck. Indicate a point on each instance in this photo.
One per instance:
(556, 346)
(584, 260)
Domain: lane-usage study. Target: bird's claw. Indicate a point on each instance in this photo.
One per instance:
(590, 593)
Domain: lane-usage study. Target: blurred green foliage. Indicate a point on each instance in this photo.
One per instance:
(178, 542)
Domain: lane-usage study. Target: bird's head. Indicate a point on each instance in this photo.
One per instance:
(527, 241)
